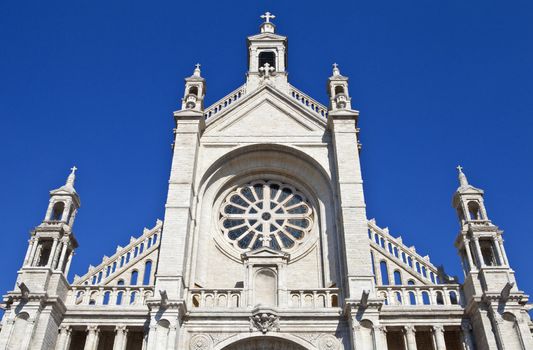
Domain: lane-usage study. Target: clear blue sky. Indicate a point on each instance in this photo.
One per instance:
(438, 83)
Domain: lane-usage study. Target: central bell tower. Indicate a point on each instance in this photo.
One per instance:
(267, 57)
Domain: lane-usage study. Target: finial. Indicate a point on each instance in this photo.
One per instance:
(197, 70)
(462, 177)
(267, 16)
(336, 70)
(72, 176)
(267, 26)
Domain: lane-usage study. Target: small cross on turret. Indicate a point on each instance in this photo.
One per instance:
(267, 16)
(266, 70)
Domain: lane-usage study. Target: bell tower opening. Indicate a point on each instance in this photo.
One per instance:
(267, 57)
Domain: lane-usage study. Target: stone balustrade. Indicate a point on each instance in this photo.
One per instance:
(421, 295)
(308, 102)
(224, 102)
(109, 295)
(314, 298)
(216, 298)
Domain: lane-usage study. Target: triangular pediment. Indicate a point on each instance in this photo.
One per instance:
(267, 36)
(266, 112)
(265, 252)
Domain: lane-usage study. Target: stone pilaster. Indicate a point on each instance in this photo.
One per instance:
(121, 338)
(438, 337)
(63, 340)
(353, 227)
(380, 337)
(410, 338)
(91, 342)
(179, 207)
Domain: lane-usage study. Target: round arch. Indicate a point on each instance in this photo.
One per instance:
(280, 163)
(280, 341)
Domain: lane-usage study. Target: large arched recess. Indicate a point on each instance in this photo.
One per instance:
(284, 162)
(264, 342)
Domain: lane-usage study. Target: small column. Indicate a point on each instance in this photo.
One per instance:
(69, 261)
(380, 337)
(438, 337)
(501, 262)
(63, 340)
(466, 335)
(469, 255)
(57, 254)
(121, 338)
(52, 253)
(479, 254)
(502, 248)
(63, 255)
(410, 337)
(29, 251)
(91, 343)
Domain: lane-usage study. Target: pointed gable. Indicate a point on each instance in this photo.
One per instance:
(266, 112)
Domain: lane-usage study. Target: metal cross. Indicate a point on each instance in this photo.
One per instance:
(335, 65)
(265, 241)
(266, 70)
(460, 168)
(267, 16)
(197, 66)
(73, 169)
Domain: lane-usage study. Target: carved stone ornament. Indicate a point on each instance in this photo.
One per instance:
(200, 342)
(328, 342)
(265, 322)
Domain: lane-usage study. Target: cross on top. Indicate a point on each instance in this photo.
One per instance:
(197, 65)
(266, 70)
(73, 169)
(265, 240)
(460, 168)
(267, 16)
(335, 66)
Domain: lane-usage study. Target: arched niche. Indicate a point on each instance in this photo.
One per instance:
(280, 163)
(265, 287)
(279, 342)
(20, 331)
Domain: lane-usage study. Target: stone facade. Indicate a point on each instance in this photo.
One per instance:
(266, 245)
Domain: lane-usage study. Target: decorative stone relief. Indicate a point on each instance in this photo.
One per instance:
(310, 337)
(200, 342)
(219, 337)
(328, 342)
(264, 322)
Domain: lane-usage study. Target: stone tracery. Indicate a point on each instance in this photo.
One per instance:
(266, 213)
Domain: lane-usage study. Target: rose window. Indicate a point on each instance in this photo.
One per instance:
(266, 213)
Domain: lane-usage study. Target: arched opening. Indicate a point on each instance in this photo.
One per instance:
(487, 250)
(412, 298)
(193, 90)
(440, 298)
(134, 277)
(267, 57)
(397, 278)
(384, 273)
(44, 252)
(147, 273)
(473, 210)
(425, 298)
(264, 343)
(453, 298)
(265, 287)
(57, 211)
(19, 332)
(339, 90)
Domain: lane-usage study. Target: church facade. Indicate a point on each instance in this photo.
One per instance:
(266, 244)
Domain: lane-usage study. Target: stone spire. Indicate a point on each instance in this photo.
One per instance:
(71, 177)
(462, 177)
(197, 71)
(336, 70)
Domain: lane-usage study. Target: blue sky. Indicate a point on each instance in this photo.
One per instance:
(437, 84)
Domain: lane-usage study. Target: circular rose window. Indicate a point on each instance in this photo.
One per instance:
(266, 213)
